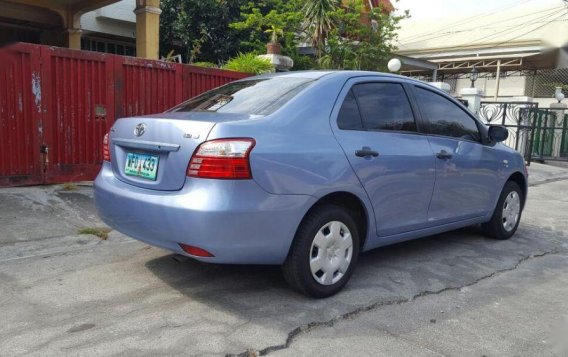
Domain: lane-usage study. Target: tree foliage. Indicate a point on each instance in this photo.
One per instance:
(343, 35)
(320, 20)
(199, 29)
(360, 40)
(260, 18)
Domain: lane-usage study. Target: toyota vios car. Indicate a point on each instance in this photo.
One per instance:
(307, 170)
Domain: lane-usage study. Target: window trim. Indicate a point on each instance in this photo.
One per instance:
(426, 121)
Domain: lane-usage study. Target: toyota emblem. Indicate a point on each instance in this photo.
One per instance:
(140, 129)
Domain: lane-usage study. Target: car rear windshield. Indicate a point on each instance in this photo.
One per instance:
(255, 96)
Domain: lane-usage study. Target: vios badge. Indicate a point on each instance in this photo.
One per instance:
(140, 129)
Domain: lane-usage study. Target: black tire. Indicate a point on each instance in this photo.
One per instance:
(296, 268)
(495, 227)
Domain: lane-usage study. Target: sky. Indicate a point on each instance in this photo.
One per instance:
(435, 9)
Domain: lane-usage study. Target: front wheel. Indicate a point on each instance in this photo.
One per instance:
(507, 215)
(324, 252)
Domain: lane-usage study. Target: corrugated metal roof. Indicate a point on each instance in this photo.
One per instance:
(541, 25)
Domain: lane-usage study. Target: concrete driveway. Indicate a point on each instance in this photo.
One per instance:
(456, 294)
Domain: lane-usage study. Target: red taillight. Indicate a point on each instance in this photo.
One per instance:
(195, 251)
(106, 148)
(222, 159)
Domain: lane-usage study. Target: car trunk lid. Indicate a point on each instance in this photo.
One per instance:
(154, 151)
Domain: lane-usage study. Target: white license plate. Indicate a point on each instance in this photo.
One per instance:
(142, 165)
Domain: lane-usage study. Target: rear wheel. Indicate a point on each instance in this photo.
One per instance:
(507, 215)
(324, 252)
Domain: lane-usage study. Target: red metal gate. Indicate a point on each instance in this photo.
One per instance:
(77, 95)
(56, 104)
(20, 116)
(146, 86)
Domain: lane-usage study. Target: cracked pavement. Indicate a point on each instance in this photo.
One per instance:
(453, 294)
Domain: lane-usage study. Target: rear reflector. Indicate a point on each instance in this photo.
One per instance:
(222, 159)
(106, 148)
(195, 251)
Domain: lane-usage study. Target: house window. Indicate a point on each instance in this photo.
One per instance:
(108, 46)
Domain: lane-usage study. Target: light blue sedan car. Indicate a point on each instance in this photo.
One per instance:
(307, 170)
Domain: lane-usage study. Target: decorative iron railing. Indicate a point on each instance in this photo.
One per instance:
(517, 117)
(538, 134)
(551, 135)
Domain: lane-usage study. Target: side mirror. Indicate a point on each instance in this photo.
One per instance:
(498, 133)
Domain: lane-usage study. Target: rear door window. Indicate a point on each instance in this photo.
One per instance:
(384, 106)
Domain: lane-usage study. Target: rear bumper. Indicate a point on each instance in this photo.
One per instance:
(237, 221)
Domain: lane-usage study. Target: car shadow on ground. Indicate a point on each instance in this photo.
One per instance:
(260, 299)
(399, 271)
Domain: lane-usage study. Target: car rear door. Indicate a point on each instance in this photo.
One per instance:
(376, 127)
(466, 169)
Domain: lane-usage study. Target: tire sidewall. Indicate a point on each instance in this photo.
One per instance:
(321, 218)
(509, 187)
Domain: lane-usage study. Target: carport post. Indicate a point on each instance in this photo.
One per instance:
(498, 82)
(74, 38)
(148, 28)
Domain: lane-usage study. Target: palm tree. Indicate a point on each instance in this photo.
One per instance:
(319, 21)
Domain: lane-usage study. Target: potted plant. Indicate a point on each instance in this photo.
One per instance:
(274, 47)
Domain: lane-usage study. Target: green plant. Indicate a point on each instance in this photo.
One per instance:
(205, 64)
(275, 32)
(303, 62)
(249, 63)
(319, 20)
(196, 45)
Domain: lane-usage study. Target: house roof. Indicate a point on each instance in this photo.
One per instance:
(529, 29)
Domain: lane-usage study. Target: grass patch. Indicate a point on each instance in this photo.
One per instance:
(69, 186)
(101, 232)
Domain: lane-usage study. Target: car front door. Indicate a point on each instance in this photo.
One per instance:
(376, 127)
(466, 170)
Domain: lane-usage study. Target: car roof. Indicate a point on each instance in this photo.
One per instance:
(344, 75)
(333, 73)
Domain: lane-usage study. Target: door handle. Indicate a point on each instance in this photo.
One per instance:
(444, 155)
(366, 152)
